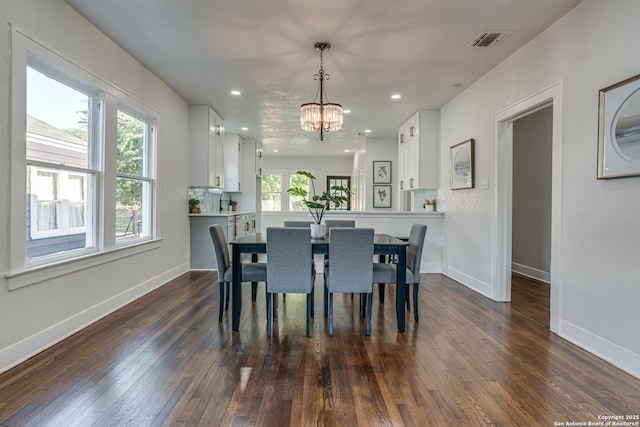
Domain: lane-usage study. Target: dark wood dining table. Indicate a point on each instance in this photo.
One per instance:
(256, 243)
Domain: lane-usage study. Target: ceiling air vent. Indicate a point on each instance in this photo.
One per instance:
(489, 38)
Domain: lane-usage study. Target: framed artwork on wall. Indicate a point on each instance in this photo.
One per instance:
(619, 130)
(461, 165)
(381, 196)
(382, 172)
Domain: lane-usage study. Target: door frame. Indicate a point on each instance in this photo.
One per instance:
(502, 197)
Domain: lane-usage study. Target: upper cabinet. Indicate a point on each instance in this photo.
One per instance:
(254, 151)
(206, 147)
(418, 150)
(233, 163)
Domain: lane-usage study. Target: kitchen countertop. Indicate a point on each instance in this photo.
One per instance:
(222, 214)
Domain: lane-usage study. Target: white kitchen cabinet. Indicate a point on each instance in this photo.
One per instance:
(206, 147)
(418, 151)
(233, 163)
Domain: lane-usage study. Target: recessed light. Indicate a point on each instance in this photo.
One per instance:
(367, 131)
(346, 111)
(275, 151)
(244, 128)
(346, 151)
(396, 96)
(236, 92)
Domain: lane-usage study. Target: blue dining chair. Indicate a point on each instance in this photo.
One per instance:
(386, 273)
(350, 268)
(330, 223)
(288, 268)
(297, 223)
(251, 272)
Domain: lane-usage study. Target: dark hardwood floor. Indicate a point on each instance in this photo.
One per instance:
(165, 360)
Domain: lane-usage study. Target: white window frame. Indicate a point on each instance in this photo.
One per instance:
(105, 99)
(147, 177)
(285, 177)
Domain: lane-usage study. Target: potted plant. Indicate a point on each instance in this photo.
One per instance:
(194, 206)
(319, 203)
(233, 204)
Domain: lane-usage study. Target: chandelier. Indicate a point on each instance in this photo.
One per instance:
(323, 116)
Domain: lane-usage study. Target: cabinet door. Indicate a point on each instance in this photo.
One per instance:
(259, 154)
(233, 163)
(413, 149)
(403, 167)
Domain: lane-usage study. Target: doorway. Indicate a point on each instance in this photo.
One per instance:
(531, 198)
(502, 195)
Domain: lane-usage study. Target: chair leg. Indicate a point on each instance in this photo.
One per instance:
(221, 302)
(363, 304)
(275, 305)
(269, 314)
(381, 292)
(326, 301)
(313, 301)
(415, 302)
(369, 310)
(227, 286)
(309, 310)
(407, 299)
(254, 291)
(330, 314)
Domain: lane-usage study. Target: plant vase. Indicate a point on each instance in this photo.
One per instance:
(317, 231)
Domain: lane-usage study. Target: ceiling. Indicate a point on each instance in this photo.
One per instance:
(419, 49)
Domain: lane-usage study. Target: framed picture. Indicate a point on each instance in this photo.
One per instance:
(382, 172)
(619, 130)
(461, 165)
(381, 196)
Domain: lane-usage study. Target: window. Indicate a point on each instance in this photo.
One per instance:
(271, 192)
(133, 178)
(341, 181)
(59, 172)
(295, 202)
(82, 163)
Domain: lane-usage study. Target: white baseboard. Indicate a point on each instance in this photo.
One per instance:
(30, 346)
(431, 267)
(618, 356)
(531, 272)
(468, 281)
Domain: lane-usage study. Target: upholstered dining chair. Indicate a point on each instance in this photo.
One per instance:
(251, 272)
(350, 268)
(288, 268)
(297, 223)
(330, 223)
(386, 273)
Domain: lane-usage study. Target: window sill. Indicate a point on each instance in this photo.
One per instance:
(52, 271)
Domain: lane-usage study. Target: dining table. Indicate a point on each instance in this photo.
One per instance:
(256, 243)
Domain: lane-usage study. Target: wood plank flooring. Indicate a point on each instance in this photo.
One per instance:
(165, 360)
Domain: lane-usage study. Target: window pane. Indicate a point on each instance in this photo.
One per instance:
(271, 192)
(130, 203)
(130, 144)
(56, 122)
(295, 202)
(56, 211)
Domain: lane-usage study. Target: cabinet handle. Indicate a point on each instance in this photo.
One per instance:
(411, 131)
(238, 186)
(401, 184)
(411, 183)
(401, 138)
(217, 181)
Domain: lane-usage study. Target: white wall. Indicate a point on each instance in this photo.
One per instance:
(381, 149)
(588, 49)
(38, 315)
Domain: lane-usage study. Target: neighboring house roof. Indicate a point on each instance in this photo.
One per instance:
(46, 143)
